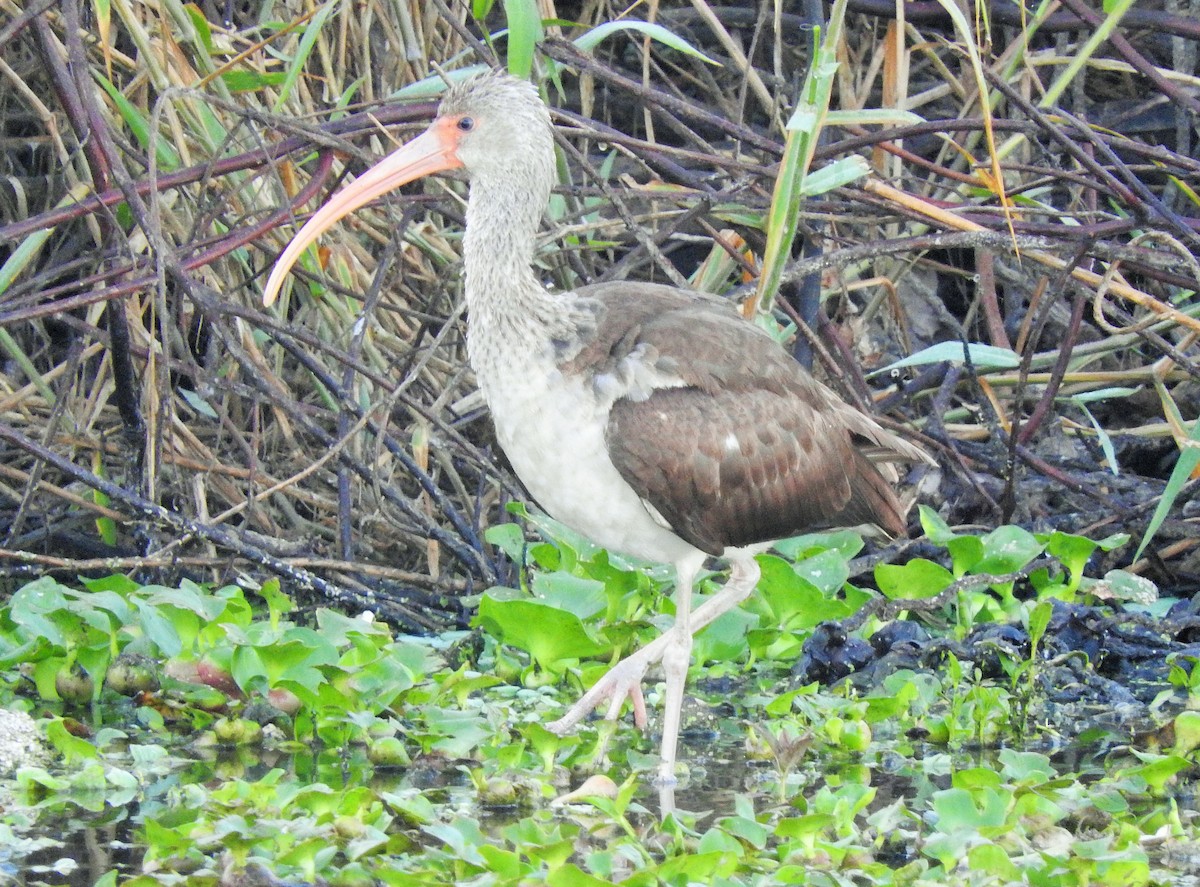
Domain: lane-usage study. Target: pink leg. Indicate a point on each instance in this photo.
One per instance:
(624, 680)
(676, 657)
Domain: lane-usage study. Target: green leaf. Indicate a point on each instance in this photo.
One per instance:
(509, 538)
(846, 542)
(993, 860)
(599, 34)
(308, 40)
(165, 155)
(252, 81)
(965, 553)
(1039, 620)
(1158, 770)
(793, 602)
(1122, 585)
(724, 639)
(984, 357)
(919, 578)
(1102, 435)
(548, 634)
(71, 747)
(1007, 549)
(869, 116)
(524, 33)
(570, 875)
(1185, 467)
(960, 810)
(203, 28)
(1026, 767)
(1187, 733)
(575, 594)
(1072, 550)
(841, 172)
(827, 571)
(936, 529)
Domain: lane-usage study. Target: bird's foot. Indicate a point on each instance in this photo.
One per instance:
(622, 681)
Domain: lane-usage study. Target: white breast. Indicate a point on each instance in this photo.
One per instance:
(551, 427)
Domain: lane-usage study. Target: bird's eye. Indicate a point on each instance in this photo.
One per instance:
(466, 124)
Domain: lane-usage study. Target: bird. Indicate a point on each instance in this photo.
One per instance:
(656, 421)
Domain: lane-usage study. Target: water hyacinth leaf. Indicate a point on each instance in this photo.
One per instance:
(1157, 770)
(965, 554)
(576, 594)
(693, 868)
(917, 579)
(1007, 549)
(570, 875)
(35, 606)
(71, 747)
(1121, 585)
(934, 526)
(723, 640)
(546, 633)
(1186, 728)
(509, 538)
(790, 601)
(1027, 767)
(462, 837)
(827, 571)
(959, 809)
(1072, 550)
(993, 860)
(805, 829)
(600, 33)
(847, 543)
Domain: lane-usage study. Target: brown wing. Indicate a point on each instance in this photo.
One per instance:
(743, 446)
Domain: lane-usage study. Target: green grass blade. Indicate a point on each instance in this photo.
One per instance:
(803, 129)
(1081, 58)
(140, 127)
(600, 33)
(524, 32)
(307, 41)
(1189, 459)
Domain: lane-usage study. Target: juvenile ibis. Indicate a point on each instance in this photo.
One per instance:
(653, 420)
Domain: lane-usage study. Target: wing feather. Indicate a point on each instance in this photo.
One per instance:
(722, 433)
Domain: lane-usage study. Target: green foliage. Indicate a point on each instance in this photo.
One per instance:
(210, 637)
(925, 760)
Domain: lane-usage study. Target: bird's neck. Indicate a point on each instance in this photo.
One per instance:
(508, 307)
(502, 223)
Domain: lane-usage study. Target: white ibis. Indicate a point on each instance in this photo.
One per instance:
(655, 421)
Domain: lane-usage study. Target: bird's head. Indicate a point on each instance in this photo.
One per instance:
(493, 126)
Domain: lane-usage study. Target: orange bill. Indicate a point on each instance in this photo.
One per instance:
(432, 151)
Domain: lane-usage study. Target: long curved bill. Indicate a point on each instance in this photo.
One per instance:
(432, 151)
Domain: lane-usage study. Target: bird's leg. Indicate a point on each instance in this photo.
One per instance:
(624, 680)
(676, 657)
